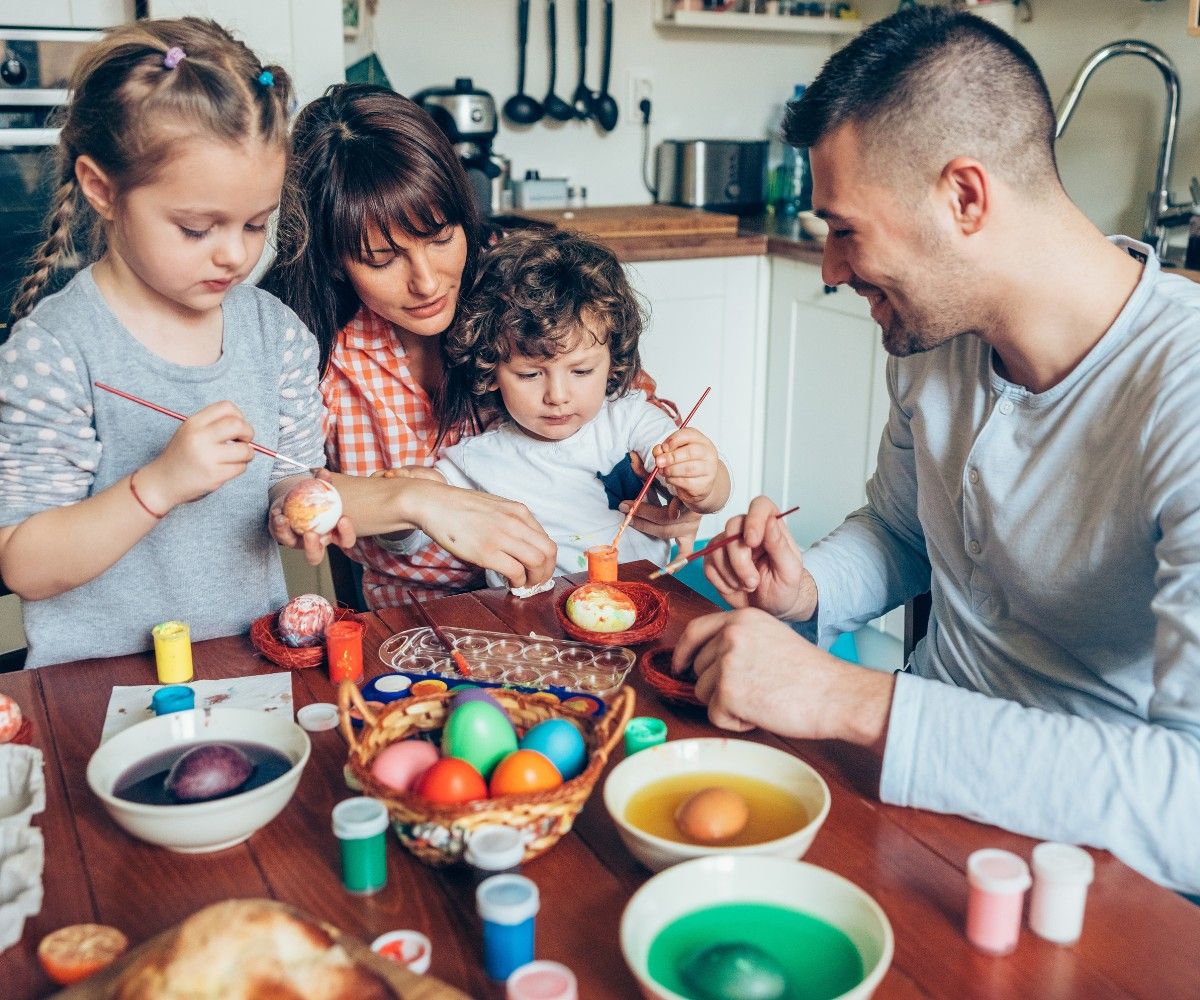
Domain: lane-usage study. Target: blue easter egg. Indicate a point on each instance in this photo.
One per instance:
(480, 734)
(562, 742)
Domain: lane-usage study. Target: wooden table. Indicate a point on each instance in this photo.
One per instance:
(1139, 939)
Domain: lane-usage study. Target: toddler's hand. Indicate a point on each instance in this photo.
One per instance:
(314, 545)
(210, 448)
(689, 464)
(410, 472)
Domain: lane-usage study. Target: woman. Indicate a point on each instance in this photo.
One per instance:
(378, 237)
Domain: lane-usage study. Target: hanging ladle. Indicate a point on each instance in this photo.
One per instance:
(554, 106)
(521, 109)
(604, 108)
(582, 98)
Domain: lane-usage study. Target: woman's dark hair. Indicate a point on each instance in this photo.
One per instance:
(362, 157)
(536, 291)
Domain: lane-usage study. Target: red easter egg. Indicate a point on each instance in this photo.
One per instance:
(523, 772)
(451, 781)
(304, 619)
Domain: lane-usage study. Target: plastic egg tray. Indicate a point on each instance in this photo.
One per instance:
(496, 658)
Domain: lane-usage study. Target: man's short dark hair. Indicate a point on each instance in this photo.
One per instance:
(929, 84)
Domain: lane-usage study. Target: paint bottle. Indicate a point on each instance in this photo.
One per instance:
(542, 981)
(508, 906)
(173, 652)
(997, 882)
(343, 649)
(644, 732)
(602, 564)
(359, 825)
(494, 849)
(1061, 876)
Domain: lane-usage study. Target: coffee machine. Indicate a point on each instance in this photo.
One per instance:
(468, 118)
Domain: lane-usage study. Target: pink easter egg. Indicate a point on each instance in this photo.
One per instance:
(313, 505)
(402, 764)
(304, 619)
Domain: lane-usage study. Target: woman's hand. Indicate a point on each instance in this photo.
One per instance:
(313, 544)
(690, 465)
(410, 472)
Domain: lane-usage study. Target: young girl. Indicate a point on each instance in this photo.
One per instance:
(113, 517)
(545, 356)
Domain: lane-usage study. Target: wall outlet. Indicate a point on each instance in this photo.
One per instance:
(640, 86)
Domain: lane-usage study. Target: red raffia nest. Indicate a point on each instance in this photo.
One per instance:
(655, 667)
(651, 605)
(265, 638)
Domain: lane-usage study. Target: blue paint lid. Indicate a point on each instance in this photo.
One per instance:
(173, 698)
(507, 899)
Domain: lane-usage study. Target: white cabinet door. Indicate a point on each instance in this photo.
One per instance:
(707, 326)
(100, 13)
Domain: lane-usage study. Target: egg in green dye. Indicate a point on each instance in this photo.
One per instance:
(733, 971)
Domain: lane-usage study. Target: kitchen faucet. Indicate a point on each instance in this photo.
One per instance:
(1161, 212)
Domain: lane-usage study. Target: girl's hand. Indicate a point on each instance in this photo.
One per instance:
(210, 448)
(690, 465)
(313, 544)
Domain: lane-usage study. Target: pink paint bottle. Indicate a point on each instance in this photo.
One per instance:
(997, 882)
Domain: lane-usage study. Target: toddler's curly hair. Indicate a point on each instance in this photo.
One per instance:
(536, 292)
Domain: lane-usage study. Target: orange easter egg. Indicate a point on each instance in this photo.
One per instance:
(451, 781)
(523, 772)
(313, 505)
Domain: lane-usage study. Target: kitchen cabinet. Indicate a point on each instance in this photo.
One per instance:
(707, 325)
(826, 403)
(69, 14)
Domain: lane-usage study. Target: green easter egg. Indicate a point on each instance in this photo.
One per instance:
(733, 971)
(480, 734)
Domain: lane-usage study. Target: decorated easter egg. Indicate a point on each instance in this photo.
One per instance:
(451, 781)
(598, 607)
(712, 815)
(10, 718)
(523, 772)
(469, 692)
(401, 765)
(561, 742)
(313, 505)
(480, 734)
(733, 971)
(304, 619)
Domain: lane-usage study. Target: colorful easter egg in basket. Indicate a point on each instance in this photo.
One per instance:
(401, 765)
(480, 734)
(451, 781)
(561, 743)
(313, 505)
(303, 620)
(524, 772)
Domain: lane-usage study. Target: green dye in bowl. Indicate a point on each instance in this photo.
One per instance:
(819, 961)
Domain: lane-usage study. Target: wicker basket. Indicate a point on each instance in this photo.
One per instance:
(651, 604)
(655, 668)
(265, 638)
(437, 834)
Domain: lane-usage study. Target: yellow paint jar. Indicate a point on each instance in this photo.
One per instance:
(173, 652)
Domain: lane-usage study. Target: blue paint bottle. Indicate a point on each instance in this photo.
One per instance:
(507, 905)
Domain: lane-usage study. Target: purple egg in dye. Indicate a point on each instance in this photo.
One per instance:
(474, 694)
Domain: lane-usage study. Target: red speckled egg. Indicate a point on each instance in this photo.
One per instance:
(304, 619)
(451, 781)
(523, 772)
(313, 505)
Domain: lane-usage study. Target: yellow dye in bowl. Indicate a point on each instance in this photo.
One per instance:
(774, 812)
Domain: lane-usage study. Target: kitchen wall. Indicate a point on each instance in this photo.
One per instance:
(730, 84)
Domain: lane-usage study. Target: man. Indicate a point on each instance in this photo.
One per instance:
(1039, 473)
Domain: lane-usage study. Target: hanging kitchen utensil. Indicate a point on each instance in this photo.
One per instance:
(582, 98)
(604, 108)
(521, 109)
(554, 106)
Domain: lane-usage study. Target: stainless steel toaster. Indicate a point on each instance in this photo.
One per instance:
(729, 174)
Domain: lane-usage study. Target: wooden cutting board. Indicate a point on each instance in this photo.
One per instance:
(405, 984)
(620, 221)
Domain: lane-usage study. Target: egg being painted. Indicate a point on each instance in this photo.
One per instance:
(561, 742)
(523, 772)
(401, 765)
(313, 505)
(480, 734)
(451, 781)
(304, 619)
(597, 607)
(712, 815)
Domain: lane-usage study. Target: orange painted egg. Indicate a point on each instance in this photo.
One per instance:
(523, 772)
(313, 505)
(712, 815)
(451, 781)
(598, 607)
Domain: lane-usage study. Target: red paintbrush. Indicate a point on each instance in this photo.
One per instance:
(459, 660)
(179, 416)
(650, 478)
(717, 543)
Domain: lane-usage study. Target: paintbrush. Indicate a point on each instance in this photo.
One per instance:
(717, 543)
(459, 660)
(650, 479)
(179, 416)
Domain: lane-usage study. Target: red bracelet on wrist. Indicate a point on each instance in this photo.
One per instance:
(141, 502)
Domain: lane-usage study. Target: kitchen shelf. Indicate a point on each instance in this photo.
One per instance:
(729, 21)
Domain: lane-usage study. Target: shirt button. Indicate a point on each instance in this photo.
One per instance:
(975, 547)
(1006, 407)
(973, 475)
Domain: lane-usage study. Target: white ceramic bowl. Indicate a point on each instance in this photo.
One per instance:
(728, 879)
(198, 827)
(722, 756)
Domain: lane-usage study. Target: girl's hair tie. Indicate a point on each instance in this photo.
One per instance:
(175, 55)
(266, 78)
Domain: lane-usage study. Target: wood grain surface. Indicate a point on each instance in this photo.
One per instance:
(1139, 939)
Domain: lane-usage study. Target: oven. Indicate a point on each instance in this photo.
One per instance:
(34, 71)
